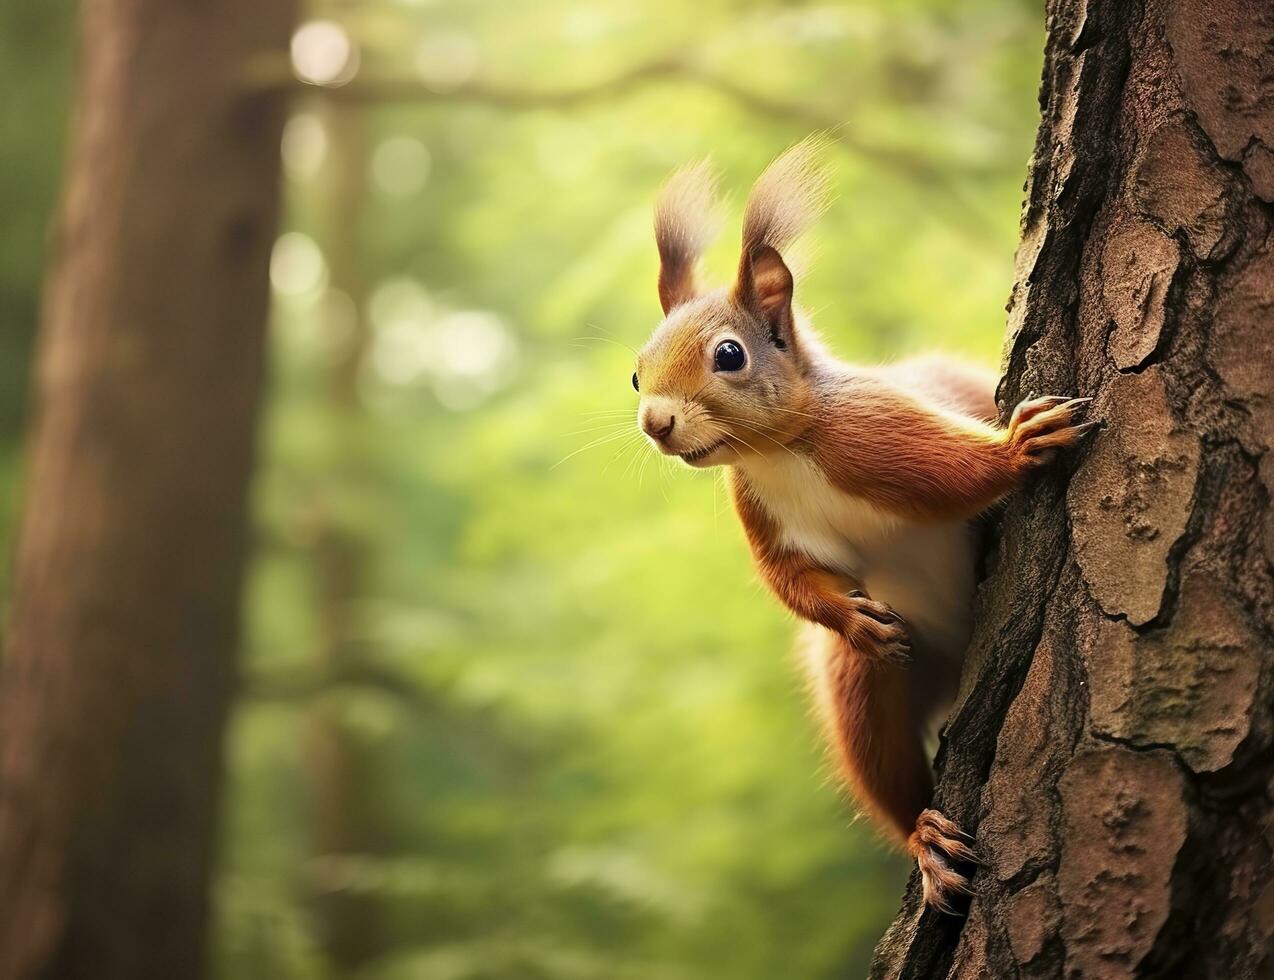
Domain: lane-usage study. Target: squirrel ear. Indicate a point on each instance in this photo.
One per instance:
(784, 201)
(676, 282)
(765, 288)
(685, 222)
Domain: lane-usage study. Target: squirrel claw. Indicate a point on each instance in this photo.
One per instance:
(939, 846)
(1027, 410)
(1041, 426)
(880, 630)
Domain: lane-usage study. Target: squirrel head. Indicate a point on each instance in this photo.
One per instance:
(724, 376)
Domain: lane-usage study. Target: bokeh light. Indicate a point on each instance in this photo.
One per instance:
(297, 268)
(304, 145)
(445, 60)
(324, 54)
(400, 166)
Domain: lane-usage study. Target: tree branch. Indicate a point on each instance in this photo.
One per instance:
(307, 683)
(801, 116)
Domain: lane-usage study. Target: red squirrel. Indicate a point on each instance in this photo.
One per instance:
(856, 487)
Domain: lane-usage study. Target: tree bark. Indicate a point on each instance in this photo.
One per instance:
(1112, 747)
(119, 659)
(347, 799)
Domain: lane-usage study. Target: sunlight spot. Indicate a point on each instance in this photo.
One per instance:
(304, 145)
(446, 60)
(585, 25)
(472, 343)
(296, 265)
(399, 298)
(400, 354)
(400, 166)
(323, 53)
(476, 356)
(463, 356)
(400, 311)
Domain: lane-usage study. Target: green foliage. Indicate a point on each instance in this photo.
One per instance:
(515, 707)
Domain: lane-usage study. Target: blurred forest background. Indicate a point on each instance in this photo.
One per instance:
(513, 703)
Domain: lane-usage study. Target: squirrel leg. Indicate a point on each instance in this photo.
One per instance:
(871, 722)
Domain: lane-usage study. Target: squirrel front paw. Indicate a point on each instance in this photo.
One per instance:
(878, 630)
(1041, 426)
(940, 847)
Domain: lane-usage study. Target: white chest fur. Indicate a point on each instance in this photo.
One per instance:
(925, 572)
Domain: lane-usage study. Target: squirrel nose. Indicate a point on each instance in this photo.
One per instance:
(656, 426)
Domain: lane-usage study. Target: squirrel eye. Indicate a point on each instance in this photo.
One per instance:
(729, 356)
(635, 388)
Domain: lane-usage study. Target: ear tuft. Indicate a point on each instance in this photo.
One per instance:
(788, 197)
(686, 221)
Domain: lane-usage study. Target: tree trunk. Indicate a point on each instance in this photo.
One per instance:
(1112, 748)
(346, 796)
(119, 656)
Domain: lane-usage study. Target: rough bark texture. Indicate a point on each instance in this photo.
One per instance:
(119, 661)
(1112, 750)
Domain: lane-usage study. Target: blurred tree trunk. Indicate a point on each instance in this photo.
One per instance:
(350, 823)
(1113, 747)
(119, 659)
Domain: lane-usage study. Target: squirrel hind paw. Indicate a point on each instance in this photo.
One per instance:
(940, 849)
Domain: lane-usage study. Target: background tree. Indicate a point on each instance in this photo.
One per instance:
(343, 769)
(119, 656)
(1113, 746)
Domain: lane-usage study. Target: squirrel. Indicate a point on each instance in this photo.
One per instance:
(857, 488)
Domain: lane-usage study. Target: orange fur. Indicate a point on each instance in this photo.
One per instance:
(869, 715)
(817, 594)
(908, 456)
